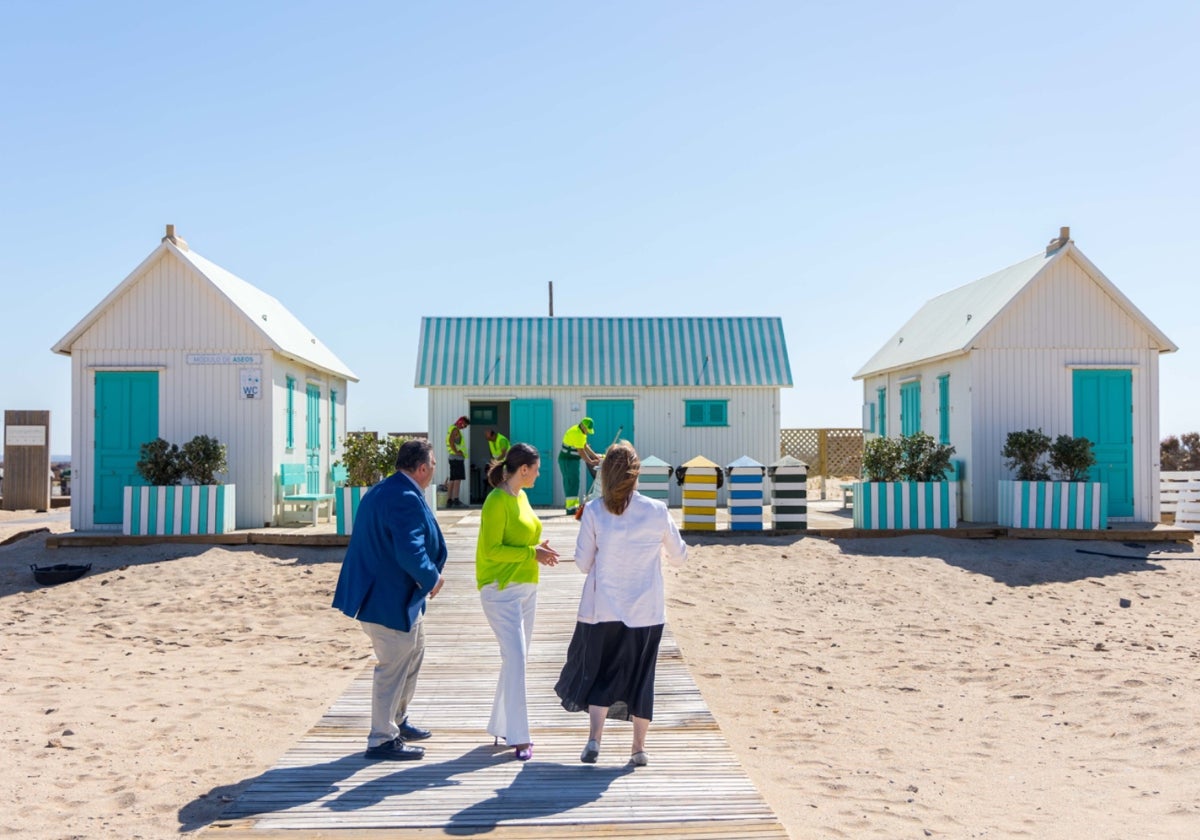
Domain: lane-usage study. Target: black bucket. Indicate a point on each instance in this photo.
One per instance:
(59, 573)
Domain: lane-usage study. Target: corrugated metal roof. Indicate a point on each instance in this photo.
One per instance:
(637, 352)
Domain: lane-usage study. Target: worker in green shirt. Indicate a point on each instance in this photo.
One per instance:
(575, 449)
(456, 448)
(498, 444)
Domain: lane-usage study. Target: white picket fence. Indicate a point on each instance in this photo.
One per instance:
(1181, 496)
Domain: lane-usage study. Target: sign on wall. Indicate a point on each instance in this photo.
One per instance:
(251, 379)
(25, 435)
(224, 359)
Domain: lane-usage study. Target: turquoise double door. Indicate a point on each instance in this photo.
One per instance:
(532, 422)
(126, 417)
(1102, 410)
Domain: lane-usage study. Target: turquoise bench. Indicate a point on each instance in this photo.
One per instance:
(292, 479)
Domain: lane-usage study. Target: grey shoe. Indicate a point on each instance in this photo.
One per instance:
(590, 753)
(639, 759)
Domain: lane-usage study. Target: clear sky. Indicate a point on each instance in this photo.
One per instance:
(833, 163)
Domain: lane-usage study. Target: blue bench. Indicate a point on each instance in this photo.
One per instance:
(293, 479)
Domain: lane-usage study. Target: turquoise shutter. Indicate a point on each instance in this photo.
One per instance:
(291, 412)
(332, 421)
(944, 409)
(882, 394)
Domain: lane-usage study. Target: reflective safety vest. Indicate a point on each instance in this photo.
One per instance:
(498, 447)
(462, 441)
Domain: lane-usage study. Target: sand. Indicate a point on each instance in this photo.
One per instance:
(872, 688)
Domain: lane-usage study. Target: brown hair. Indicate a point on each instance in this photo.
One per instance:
(619, 475)
(517, 456)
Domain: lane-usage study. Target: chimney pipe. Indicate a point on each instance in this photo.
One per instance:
(178, 241)
(1064, 236)
(551, 284)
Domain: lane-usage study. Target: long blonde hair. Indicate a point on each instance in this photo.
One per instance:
(619, 476)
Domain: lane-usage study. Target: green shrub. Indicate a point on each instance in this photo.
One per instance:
(917, 457)
(160, 464)
(367, 459)
(1072, 458)
(1023, 453)
(202, 458)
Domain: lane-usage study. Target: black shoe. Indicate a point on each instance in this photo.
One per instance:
(395, 750)
(408, 732)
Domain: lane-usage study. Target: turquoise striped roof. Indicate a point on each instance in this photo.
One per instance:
(567, 352)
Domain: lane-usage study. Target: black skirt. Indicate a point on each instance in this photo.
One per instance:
(609, 664)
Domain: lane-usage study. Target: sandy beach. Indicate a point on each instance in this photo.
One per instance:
(904, 687)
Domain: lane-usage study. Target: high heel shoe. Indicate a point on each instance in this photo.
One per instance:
(524, 753)
(590, 753)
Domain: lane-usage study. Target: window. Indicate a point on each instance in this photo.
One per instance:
(332, 421)
(706, 412)
(881, 393)
(944, 409)
(291, 412)
(910, 408)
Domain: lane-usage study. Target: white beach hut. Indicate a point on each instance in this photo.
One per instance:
(182, 347)
(673, 387)
(1048, 343)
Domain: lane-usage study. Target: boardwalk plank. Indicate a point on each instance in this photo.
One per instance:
(693, 788)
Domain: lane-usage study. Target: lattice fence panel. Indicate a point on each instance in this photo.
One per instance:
(832, 452)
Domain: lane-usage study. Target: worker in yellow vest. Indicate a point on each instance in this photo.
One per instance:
(456, 448)
(575, 449)
(498, 444)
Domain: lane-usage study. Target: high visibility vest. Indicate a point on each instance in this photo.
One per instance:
(499, 446)
(462, 441)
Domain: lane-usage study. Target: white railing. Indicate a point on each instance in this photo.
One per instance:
(1180, 495)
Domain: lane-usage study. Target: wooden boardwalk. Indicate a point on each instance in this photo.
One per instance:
(323, 787)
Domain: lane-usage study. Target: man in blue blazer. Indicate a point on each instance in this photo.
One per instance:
(394, 562)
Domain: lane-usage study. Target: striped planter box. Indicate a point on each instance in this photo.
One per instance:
(905, 505)
(745, 494)
(789, 494)
(654, 480)
(347, 507)
(1066, 505)
(700, 495)
(179, 509)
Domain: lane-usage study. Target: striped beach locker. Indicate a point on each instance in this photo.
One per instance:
(789, 494)
(700, 495)
(654, 480)
(179, 509)
(745, 494)
(347, 506)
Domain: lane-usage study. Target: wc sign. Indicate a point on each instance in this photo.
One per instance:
(251, 380)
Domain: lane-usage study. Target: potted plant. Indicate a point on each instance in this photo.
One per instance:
(906, 484)
(167, 506)
(367, 460)
(1050, 488)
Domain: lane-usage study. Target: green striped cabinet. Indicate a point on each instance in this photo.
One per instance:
(905, 505)
(177, 510)
(1062, 505)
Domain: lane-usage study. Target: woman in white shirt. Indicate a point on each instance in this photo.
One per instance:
(623, 539)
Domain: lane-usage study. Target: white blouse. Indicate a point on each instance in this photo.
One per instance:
(622, 556)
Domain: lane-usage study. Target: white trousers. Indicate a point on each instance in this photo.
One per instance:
(399, 656)
(510, 613)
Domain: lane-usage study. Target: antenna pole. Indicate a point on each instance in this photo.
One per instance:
(551, 284)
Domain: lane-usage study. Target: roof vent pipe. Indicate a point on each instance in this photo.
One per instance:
(1064, 236)
(178, 241)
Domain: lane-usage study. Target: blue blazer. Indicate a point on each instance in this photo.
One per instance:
(395, 557)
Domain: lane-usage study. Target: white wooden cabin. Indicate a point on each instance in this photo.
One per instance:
(674, 387)
(1048, 343)
(182, 347)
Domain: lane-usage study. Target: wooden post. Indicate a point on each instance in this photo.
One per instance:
(26, 460)
(823, 460)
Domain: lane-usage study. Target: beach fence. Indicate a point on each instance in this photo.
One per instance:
(827, 452)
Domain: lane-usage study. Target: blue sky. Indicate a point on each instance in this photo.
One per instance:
(834, 163)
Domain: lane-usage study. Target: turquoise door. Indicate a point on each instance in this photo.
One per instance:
(532, 422)
(126, 417)
(613, 419)
(1103, 413)
(910, 408)
(312, 440)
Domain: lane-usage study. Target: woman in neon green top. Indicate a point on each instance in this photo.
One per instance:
(506, 572)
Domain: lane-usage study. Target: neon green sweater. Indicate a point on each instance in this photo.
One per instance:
(509, 532)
